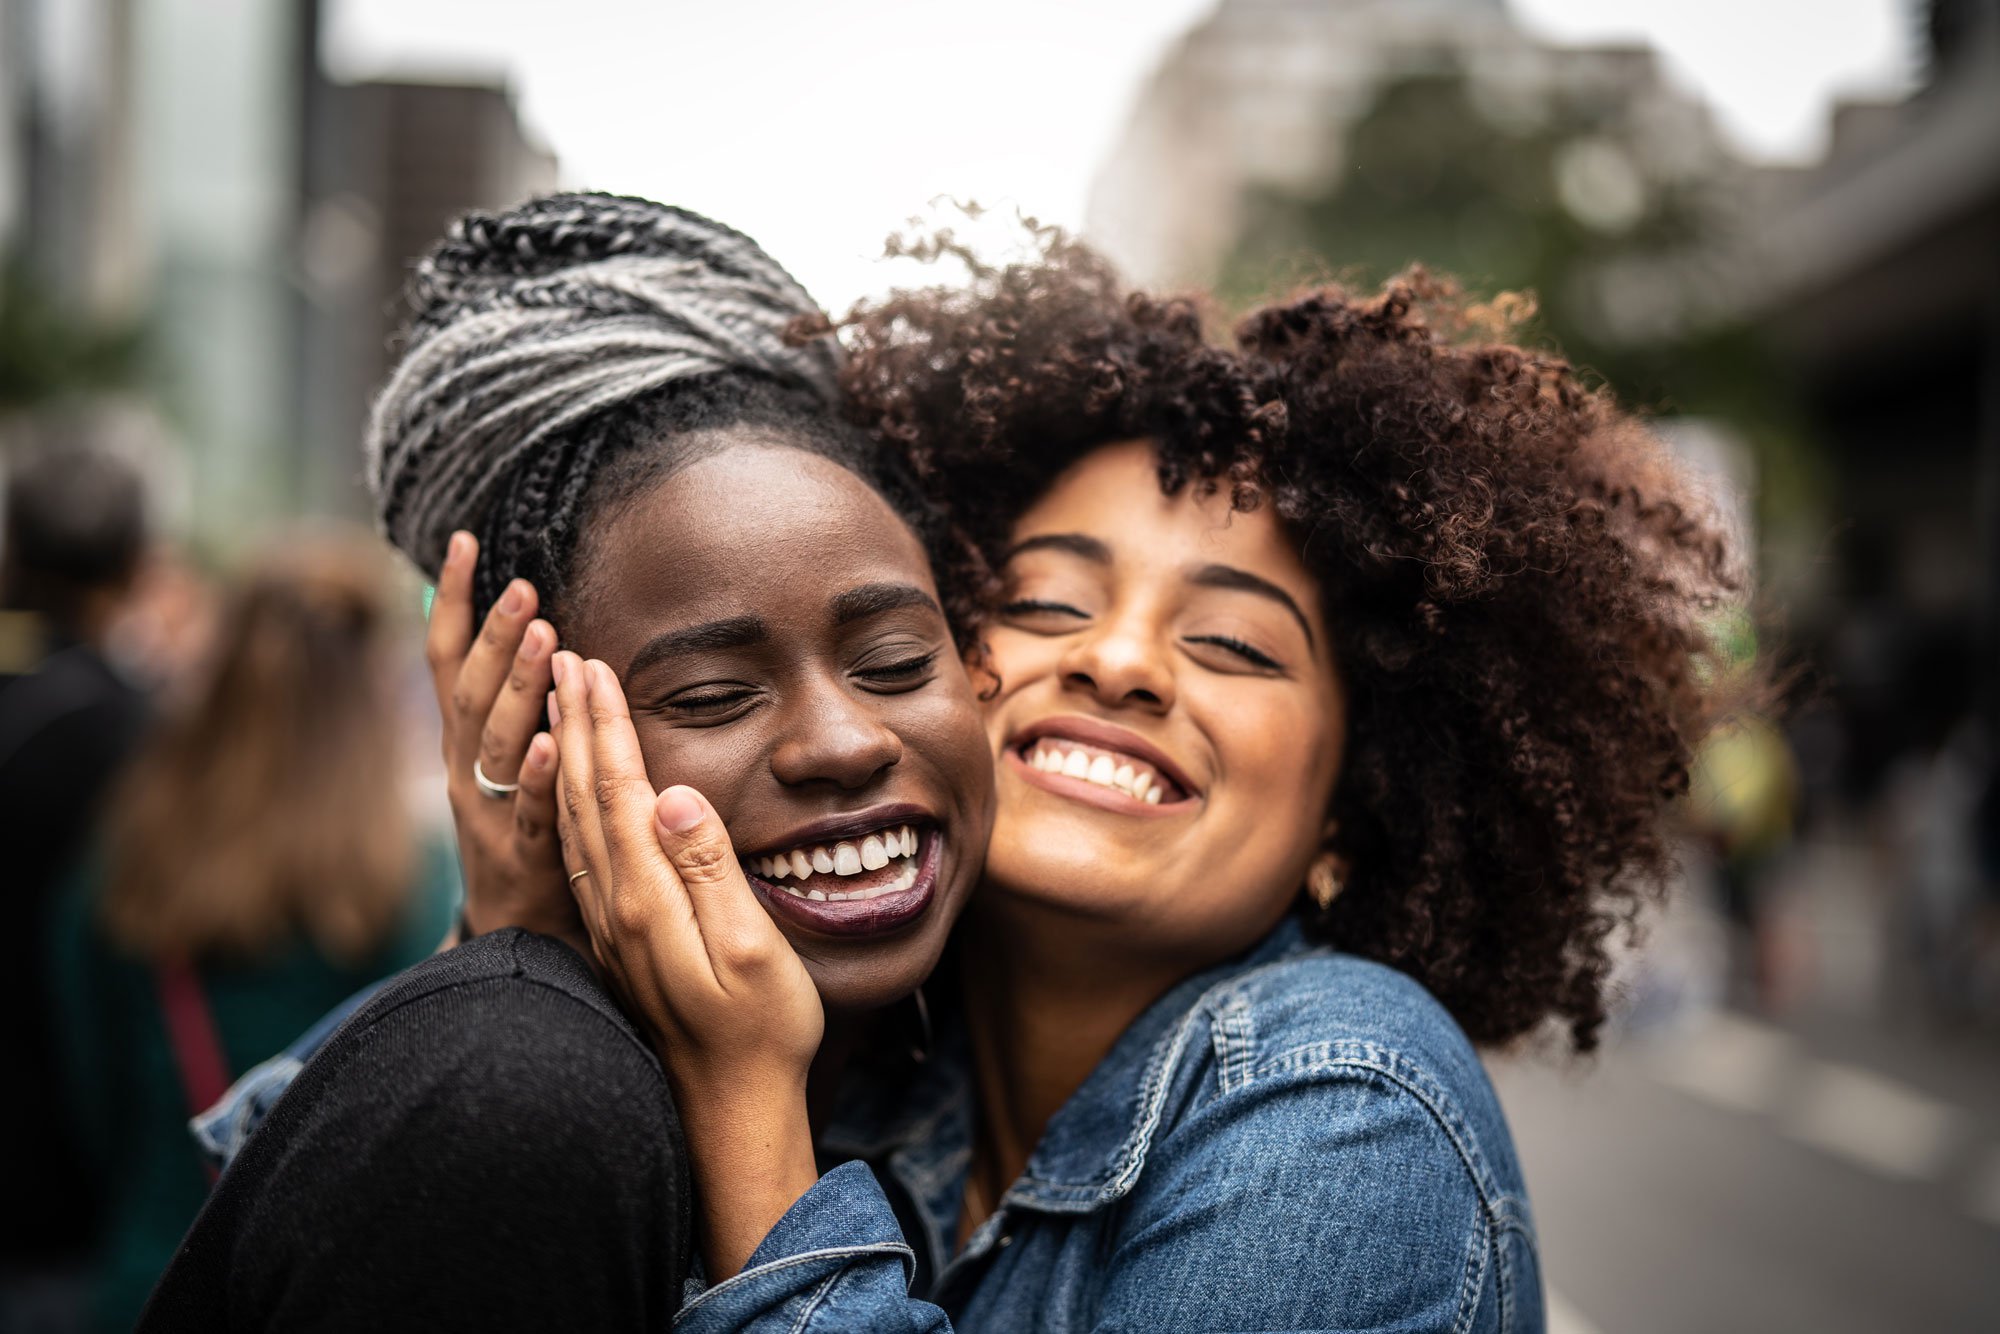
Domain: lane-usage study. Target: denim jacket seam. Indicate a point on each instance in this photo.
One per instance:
(1474, 1282)
(1160, 1069)
(1511, 1221)
(1321, 1058)
(1234, 1033)
(814, 1302)
(737, 1281)
(1130, 1159)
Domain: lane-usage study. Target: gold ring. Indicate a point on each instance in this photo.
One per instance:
(578, 876)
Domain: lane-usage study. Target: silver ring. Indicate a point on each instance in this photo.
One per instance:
(488, 788)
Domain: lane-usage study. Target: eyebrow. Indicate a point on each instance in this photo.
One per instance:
(1076, 544)
(1208, 576)
(1242, 581)
(743, 631)
(708, 637)
(858, 604)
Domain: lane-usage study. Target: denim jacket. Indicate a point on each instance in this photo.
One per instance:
(1299, 1140)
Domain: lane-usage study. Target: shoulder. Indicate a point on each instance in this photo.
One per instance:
(509, 1016)
(1357, 1042)
(488, 1111)
(1318, 1003)
(496, 1076)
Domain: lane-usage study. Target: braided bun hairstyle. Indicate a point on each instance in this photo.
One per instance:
(559, 356)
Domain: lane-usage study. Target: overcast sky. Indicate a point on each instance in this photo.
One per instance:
(817, 125)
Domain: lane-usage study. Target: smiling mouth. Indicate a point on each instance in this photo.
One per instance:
(1115, 779)
(863, 885)
(868, 867)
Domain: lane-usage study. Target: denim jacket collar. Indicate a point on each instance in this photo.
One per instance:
(1093, 1149)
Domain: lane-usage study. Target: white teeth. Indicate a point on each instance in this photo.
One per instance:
(901, 881)
(1103, 770)
(871, 853)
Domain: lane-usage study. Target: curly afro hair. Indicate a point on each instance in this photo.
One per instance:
(1515, 575)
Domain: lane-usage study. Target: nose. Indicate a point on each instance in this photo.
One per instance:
(832, 736)
(1121, 663)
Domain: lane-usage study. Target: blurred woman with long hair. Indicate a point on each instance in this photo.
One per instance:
(259, 862)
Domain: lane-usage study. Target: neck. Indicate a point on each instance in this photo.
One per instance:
(1045, 1002)
(838, 1042)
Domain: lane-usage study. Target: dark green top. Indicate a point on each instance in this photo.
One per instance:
(124, 1088)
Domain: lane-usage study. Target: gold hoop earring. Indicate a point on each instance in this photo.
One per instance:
(1323, 881)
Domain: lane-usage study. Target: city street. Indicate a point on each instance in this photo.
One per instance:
(1836, 1173)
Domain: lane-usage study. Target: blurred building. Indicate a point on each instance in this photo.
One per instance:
(1261, 95)
(1878, 280)
(184, 165)
(388, 166)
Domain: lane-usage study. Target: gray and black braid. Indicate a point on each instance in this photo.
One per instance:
(550, 342)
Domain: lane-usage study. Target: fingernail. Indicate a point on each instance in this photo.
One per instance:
(512, 600)
(560, 668)
(538, 750)
(555, 711)
(531, 642)
(454, 550)
(680, 809)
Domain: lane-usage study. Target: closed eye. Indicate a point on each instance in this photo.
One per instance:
(909, 669)
(1242, 650)
(707, 702)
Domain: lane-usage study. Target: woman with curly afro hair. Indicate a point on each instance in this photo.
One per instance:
(1340, 682)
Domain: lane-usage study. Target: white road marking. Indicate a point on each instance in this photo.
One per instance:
(1862, 1118)
(1566, 1319)
(1871, 1121)
(1726, 1060)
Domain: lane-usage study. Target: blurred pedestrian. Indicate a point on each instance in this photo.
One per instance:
(75, 531)
(258, 865)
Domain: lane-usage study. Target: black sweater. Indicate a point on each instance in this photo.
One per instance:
(486, 1145)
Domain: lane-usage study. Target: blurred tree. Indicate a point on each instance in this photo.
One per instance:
(1563, 193)
(46, 353)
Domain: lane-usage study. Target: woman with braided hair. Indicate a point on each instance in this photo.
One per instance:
(608, 394)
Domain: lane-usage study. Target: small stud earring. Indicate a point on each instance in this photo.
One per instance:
(1323, 881)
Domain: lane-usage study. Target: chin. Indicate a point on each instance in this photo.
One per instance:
(1086, 881)
(860, 986)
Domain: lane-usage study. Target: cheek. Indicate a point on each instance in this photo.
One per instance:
(721, 763)
(943, 726)
(1279, 758)
(1014, 661)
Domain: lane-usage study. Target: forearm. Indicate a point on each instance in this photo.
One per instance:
(751, 1151)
